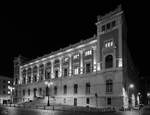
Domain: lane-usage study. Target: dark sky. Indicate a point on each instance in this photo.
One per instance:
(35, 29)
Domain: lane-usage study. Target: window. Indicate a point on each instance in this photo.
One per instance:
(75, 88)
(88, 52)
(41, 72)
(76, 70)
(87, 101)
(108, 101)
(113, 23)
(108, 26)
(65, 72)
(87, 88)
(4, 92)
(66, 59)
(103, 28)
(109, 86)
(8, 82)
(40, 91)
(28, 92)
(48, 70)
(55, 90)
(65, 89)
(76, 56)
(64, 100)
(109, 61)
(23, 92)
(4, 86)
(109, 43)
(88, 67)
(24, 80)
(56, 73)
(28, 74)
(35, 73)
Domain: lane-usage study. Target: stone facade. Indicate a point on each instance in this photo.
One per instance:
(89, 73)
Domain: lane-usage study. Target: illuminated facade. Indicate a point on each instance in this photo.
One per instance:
(89, 73)
(5, 91)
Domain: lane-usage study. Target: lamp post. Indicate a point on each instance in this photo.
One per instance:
(131, 86)
(11, 92)
(48, 84)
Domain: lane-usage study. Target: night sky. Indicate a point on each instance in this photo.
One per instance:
(36, 29)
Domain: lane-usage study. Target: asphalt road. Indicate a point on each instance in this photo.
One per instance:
(21, 111)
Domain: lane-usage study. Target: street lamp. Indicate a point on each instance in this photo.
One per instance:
(48, 84)
(131, 86)
(11, 92)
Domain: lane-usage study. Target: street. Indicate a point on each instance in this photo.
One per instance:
(22, 111)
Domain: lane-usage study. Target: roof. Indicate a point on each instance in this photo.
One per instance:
(62, 50)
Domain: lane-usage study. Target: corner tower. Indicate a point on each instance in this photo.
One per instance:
(110, 35)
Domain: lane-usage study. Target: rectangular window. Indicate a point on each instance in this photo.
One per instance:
(113, 23)
(24, 92)
(65, 89)
(28, 92)
(76, 70)
(108, 26)
(56, 73)
(103, 28)
(4, 92)
(108, 101)
(75, 88)
(40, 91)
(55, 90)
(88, 68)
(87, 88)
(65, 72)
(87, 101)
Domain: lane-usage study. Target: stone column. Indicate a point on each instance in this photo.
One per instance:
(94, 59)
(52, 69)
(44, 70)
(70, 64)
(60, 69)
(81, 61)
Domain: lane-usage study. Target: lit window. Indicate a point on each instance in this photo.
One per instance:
(66, 59)
(89, 52)
(111, 43)
(76, 56)
(120, 62)
(108, 43)
(76, 70)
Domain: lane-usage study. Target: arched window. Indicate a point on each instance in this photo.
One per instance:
(109, 86)
(35, 73)
(109, 61)
(48, 71)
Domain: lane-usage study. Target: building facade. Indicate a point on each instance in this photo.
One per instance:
(92, 73)
(5, 89)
